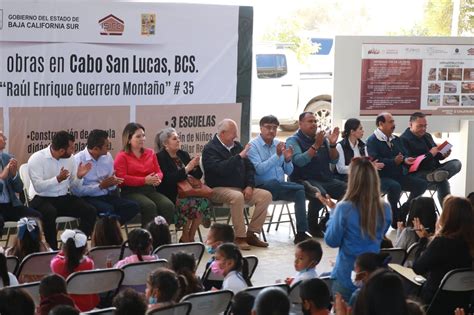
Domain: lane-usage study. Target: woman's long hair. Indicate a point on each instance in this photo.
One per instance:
(363, 190)
(457, 220)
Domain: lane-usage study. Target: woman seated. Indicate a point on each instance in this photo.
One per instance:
(451, 248)
(177, 165)
(141, 172)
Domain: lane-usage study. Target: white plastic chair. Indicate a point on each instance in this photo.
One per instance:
(36, 264)
(177, 309)
(94, 281)
(32, 288)
(210, 302)
(194, 248)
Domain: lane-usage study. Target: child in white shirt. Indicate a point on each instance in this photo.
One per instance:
(234, 267)
(307, 255)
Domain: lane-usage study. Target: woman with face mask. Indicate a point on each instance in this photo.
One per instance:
(364, 266)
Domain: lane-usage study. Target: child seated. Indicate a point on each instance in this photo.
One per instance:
(29, 240)
(160, 231)
(315, 295)
(184, 265)
(364, 265)
(53, 292)
(422, 209)
(234, 267)
(308, 254)
(106, 232)
(141, 245)
(6, 278)
(129, 301)
(218, 234)
(161, 288)
(71, 259)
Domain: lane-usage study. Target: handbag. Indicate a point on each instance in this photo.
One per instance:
(193, 187)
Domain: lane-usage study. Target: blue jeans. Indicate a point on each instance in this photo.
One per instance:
(110, 204)
(289, 191)
(334, 187)
(393, 188)
(452, 167)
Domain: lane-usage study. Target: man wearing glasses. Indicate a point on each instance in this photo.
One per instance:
(272, 160)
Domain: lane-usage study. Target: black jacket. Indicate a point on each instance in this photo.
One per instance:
(441, 255)
(226, 169)
(416, 146)
(172, 174)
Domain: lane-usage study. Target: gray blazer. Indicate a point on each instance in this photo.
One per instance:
(14, 184)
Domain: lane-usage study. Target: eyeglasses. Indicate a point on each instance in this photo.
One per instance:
(271, 127)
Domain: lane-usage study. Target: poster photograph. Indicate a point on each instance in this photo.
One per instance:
(403, 78)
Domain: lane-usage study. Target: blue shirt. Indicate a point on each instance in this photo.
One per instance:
(101, 169)
(268, 165)
(343, 231)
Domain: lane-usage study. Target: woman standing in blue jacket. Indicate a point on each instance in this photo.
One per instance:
(357, 224)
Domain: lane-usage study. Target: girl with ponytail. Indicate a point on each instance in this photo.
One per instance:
(140, 243)
(234, 267)
(71, 259)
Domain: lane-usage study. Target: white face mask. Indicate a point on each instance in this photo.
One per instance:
(357, 283)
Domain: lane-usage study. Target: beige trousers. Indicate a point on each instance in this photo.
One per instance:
(234, 197)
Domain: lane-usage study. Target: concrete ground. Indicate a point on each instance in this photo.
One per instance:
(276, 261)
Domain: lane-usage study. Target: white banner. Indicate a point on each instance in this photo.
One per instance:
(143, 54)
(84, 65)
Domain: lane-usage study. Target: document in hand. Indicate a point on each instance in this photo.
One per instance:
(414, 167)
(444, 147)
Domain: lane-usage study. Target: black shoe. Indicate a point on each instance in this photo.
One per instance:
(300, 236)
(316, 232)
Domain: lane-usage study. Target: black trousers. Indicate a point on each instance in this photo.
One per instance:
(10, 213)
(67, 205)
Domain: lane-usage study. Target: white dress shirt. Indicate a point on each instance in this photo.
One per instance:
(43, 169)
(341, 166)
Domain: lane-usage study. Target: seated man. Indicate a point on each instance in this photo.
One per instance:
(313, 154)
(272, 159)
(232, 176)
(419, 142)
(100, 183)
(52, 172)
(11, 209)
(388, 149)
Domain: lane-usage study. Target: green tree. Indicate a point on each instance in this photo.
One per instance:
(438, 18)
(287, 32)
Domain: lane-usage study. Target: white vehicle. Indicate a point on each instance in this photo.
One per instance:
(280, 88)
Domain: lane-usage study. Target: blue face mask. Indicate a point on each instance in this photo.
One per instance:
(211, 250)
(152, 300)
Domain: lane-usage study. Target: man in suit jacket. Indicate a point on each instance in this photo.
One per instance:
(11, 209)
